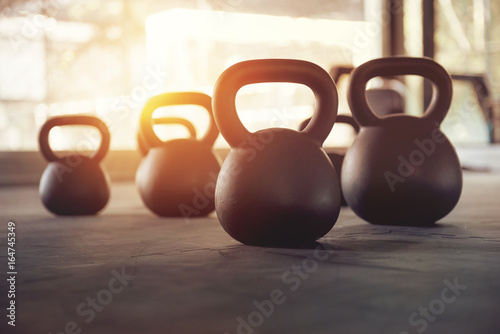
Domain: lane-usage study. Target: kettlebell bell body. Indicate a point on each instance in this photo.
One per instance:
(144, 149)
(74, 184)
(177, 178)
(277, 187)
(337, 154)
(401, 169)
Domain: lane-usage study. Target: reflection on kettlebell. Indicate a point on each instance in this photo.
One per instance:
(277, 186)
(337, 154)
(177, 177)
(401, 169)
(144, 149)
(74, 184)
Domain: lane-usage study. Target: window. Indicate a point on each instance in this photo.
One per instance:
(107, 57)
(465, 40)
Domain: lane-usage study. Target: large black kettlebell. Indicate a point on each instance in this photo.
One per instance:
(144, 149)
(277, 186)
(177, 177)
(337, 154)
(74, 184)
(401, 169)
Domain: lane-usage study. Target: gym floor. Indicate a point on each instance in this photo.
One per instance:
(128, 271)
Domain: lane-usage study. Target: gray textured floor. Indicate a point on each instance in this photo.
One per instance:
(190, 277)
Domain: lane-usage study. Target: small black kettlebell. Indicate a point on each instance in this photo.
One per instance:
(74, 184)
(277, 186)
(401, 169)
(384, 100)
(141, 145)
(337, 154)
(177, 177)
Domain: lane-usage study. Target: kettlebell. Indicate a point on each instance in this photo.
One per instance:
(387, 98)
(401, 169)
(143, 149)
(74, 184)
(277, 186)
(177, 177)
(337, 154)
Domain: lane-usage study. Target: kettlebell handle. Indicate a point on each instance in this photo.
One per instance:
(177, 120)
(43, 138)
(166, 121)
(346, 119)
(274, 70)
(171, 99)
(390, 66)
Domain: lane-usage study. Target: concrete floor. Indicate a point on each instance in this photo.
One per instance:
(127, 271)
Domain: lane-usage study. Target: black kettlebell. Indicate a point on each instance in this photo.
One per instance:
(389, 98)
(337, 154)
(401, 169)
(144, 149)
(277, 186)
(177, 177)
(74, 184)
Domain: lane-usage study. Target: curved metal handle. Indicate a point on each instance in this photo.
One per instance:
(274, 70)
(166, 120)
(337, 71)
(171, 99)
(340, 119)
(425, 67)
(43, 137)
(177, 120)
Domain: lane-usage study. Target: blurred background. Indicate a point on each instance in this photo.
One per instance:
(106, 58)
